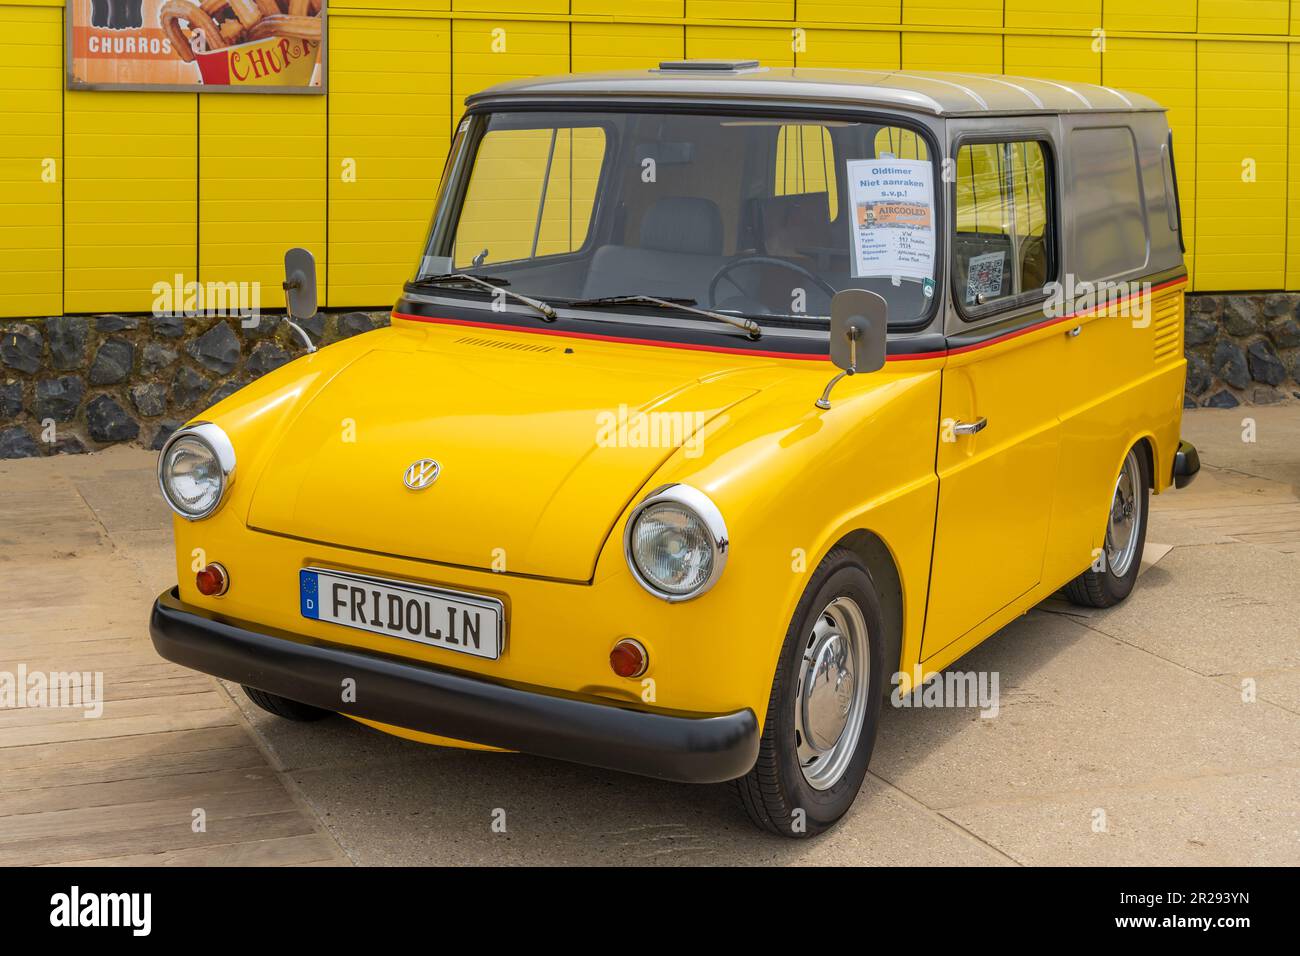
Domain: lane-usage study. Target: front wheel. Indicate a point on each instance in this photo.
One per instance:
(284, 707)
(1112, 576)
(824, 707)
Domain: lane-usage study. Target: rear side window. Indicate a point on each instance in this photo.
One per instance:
(1108, 228)
(1004, 246)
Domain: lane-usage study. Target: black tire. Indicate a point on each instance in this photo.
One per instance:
(1102, 587)
(775, 793)
(284, 707)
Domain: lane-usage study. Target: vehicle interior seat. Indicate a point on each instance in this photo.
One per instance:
(679, 251)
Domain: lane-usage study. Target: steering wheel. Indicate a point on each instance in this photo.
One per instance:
(734, 264)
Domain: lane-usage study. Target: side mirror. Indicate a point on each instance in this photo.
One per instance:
(300, 290)
(300, 283)
(859, 326)
(859, 320)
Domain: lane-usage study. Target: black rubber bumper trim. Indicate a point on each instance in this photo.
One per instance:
(1186, 464)
(587, 730)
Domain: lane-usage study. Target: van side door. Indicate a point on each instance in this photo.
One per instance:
(999, 431)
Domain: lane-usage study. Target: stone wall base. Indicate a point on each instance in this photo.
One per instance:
(71, 384)
(1242, 349)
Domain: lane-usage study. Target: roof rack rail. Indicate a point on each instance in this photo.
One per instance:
(707, 66)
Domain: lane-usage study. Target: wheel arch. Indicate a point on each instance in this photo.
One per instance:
(888, 585)
(1147, 444)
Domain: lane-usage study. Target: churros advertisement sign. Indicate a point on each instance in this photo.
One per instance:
(227, 46)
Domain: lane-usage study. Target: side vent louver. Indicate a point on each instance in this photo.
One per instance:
(1167, 327)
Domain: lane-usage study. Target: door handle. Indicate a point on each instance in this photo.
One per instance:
(970, 428)
(1074, 332)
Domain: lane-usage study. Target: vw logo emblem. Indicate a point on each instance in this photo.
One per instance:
(421, 474)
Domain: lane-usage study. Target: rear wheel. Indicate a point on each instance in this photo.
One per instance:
(284, 707)
(1111, 578)
(824, 707)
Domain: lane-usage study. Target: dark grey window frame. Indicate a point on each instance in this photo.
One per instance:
(1051, 166)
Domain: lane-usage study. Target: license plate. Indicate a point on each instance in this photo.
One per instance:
(467, 623)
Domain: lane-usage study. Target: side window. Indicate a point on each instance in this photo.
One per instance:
(1003, 246)
(1108, 227)
(532, 193)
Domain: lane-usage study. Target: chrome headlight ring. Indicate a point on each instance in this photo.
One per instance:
(214, 440)
(696, 504)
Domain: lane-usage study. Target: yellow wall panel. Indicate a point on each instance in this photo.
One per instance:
(486, 52)
(968, 13)
(1241, 114)
(389, 132)
(1164, 70)
(345, 7)
(773, 46)
(629, 8)
(1069, 59)
(1244, 16)
(740, 9)
(625, 46)
(31, 161)
(1056, 15)
(130, 197)
(1150, 16)
(262, 174)
(852, 49)
(962, 53)
(849, 11)
(511, 6)
(1293, 173)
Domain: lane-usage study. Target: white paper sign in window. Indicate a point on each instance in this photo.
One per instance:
(893, 217)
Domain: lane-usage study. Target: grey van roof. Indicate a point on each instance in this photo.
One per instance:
(939, 94)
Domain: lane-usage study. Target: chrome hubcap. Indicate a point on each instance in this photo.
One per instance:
(834, 674)
(1125, 518)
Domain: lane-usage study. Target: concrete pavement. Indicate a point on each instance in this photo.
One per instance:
(1164, 731)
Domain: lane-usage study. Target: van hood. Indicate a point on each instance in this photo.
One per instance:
(534, 468)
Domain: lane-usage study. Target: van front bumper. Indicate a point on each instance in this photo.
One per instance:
(670, 745)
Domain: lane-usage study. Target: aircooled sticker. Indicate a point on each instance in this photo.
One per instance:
(893, 217)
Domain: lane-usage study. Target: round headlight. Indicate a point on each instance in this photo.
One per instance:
(195, 470)
(676, 543)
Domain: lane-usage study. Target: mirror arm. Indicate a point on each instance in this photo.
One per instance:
(301, 332)
(825, 401)
(288, 316)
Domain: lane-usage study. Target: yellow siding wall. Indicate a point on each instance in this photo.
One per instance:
(389, 131)
(262, 176)
(31, 161)
(130, 197)
(147, 185)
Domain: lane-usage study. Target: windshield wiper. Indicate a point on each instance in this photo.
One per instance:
(495, 286)
(682, 305)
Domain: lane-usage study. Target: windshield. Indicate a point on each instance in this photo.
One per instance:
(762, 217)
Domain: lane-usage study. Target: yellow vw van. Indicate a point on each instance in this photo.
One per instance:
(722, 401)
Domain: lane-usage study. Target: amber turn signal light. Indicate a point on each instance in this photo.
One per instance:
(212, 581)
(629, 658)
